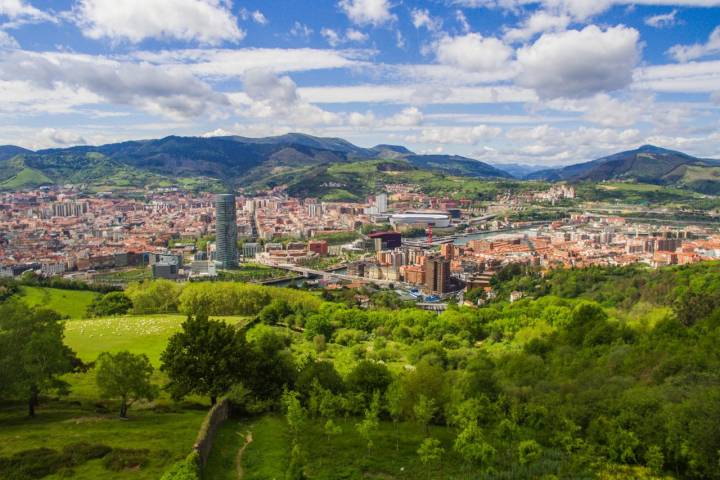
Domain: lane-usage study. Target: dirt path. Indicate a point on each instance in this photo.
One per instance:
(238, 458)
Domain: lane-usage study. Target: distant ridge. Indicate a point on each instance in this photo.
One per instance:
(646, 164)
(232, 160)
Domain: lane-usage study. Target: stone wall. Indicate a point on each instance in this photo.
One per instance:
(215, 417)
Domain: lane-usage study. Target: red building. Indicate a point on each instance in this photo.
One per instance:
(318, 246)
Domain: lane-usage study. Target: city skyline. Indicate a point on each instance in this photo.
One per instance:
(544, 82)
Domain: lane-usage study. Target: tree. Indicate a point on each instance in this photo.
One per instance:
(368, 377)
(472, 446)
(370, 423)
(207, 357)
(529, 451)
(424, 411)
(393, 398)
(33, 356)
(113, 303)
(430, 452)
(274, 312)
(127, 376)
(332, 428)
(270, 367)
(295, 414)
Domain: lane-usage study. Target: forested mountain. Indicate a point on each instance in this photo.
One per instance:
(231, 160)
(647, 164)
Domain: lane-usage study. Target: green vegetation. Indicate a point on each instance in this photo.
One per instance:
(252, 272)
(69, 303)
(596, 373)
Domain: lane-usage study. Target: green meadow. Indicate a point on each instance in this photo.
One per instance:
(70, 303)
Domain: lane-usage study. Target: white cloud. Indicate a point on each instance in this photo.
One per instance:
(462, 20)
(685, 53)
(694, 77)
(473, 53)
(605, 110)
(456, 135)
(331, 36)
(367, 12)
(580, 63)
(416, 94)
(7, 41)
(580, 10)
(351, 35)
(231, 63)
(421, 18)
(269, 96)
(57, 137)
(663, 20)
(408, 117)
(21, 11)
(258, 17)
(206, 21)
(715, 97)
(301, 30)
(152, 89)
(539, 22)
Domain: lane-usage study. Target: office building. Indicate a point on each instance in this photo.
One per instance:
(226, 254)
(437, 275)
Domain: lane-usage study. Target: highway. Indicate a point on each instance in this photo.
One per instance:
(339, 276)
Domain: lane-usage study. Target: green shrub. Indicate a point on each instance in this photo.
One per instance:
(124, 458)
(41, 462)
(186, 469)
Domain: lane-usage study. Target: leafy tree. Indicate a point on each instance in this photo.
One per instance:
(206, 358)
(331, 428)
(275, 312)
(472, 446)
(370, 423)
(368, 377)
(126, 376)
(430, 452)
(154, 296)
(113, 303)
(394, 404)
(322, 372)
(295, 414)
(33, 356)
(270, 367)
(529, 451)
(424, 411)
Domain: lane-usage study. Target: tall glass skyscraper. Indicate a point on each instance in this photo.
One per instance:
(226, 231)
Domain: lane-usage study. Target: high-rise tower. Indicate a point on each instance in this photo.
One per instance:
(226, 231)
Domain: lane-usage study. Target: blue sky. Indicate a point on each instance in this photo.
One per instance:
(504, 81)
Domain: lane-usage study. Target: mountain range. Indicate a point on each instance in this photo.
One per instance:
(233, 161)
(311, 166)
(647, 164)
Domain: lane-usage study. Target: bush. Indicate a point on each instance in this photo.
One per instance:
(124, 458)
(41, 462)
(186, 469)
(113, 303)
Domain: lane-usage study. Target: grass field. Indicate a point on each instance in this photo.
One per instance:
(167, 430)
(345, 456)
(167, 436)
(71, 303)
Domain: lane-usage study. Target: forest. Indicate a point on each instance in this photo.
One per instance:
(595, 373)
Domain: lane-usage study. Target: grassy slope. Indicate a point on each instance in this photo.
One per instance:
(168, 436)
(72, 303)
(344, 456)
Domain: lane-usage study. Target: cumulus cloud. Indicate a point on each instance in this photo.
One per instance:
(270, 96)
(351, 35)
(539, 22)
(606, 110)
(663, 20)
(7, 41)
(152, 89)
(256, 16)
(421, 18)
(685, 53)
(301, 30)
(473, 53)
(61, 137)
(367, 12)
(20, 11)
(456, 135)
(206, 21)
(580, 63)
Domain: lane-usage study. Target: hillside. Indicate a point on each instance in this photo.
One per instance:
(647, 164)
(233, 161)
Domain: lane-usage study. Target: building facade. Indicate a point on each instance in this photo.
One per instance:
(226, 253)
